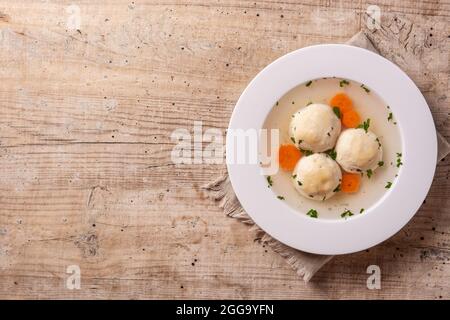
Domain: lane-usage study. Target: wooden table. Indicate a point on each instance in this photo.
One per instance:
(85, 123)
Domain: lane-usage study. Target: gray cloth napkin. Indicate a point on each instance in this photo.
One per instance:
(305, 264)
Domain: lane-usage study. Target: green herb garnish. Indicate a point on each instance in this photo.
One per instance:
(380, 163)
(337, 189)
(280, 197)
(337, 112)
(294, 176)
(369, 173)
(379, 143)
(299, 183)
(306, 152)
(361, 210)
(269, 181)
(343, 83)
(312, 213)
(331, 153)
(310, 102)
(388, 185)
(346, 213)
(308, 83)
(390, 116)
(365, 88)
(365, 125)
(293, 140)
(399, 159)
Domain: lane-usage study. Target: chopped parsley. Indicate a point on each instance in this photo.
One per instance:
(337, 112)
(379, 143)
(276, 103)
(361, 210)
(380, 163)
(337, 189)
(390, 116)
(388, 185)
(312, 213)
(310, 102)
(306, 152)
(308, 83)
(399, 160)
(365, 125)
(294, 176)
(346, 213)
(365, 88)
(369, 173)
(293, 140)
(299, 183)
(343, 82)
(331, 153)
(280, 197)
(269, 181)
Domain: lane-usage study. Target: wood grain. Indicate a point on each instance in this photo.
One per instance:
(86, 175)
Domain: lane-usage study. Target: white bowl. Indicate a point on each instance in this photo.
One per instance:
(419, 148)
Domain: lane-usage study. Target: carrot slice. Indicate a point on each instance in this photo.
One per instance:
(350, 182)
(342, 101)
(351, 119)
(288, 156)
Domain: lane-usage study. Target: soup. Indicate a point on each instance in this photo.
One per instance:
(355, 161)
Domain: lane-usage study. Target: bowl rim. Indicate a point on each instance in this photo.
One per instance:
(419, 149)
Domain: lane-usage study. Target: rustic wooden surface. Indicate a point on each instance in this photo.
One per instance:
(85, 123)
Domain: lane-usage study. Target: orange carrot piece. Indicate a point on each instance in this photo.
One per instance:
(350, 182)
(288, 156)
(342, 101)
(351, 119)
